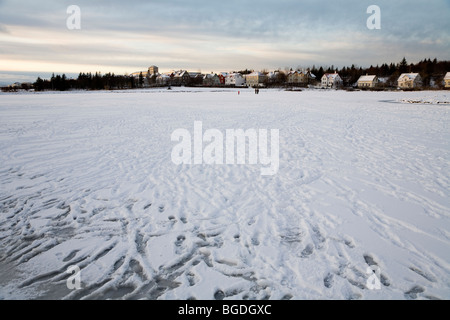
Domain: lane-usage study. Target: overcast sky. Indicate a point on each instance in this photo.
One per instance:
(198, 35)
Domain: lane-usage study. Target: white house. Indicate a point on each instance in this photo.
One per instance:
(331, 80)
(409, 81)
(368, 81)
(235, 79)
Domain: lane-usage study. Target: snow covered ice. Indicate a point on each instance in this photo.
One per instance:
(86, 179)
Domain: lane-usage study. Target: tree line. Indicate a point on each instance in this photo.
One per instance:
(85, 81)
(431, 71)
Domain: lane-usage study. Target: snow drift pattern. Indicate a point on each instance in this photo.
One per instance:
(86, 179)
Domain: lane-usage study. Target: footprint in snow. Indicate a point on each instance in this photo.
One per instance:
(192, 278)
(219, 295)
(179, 245)
(134, 267)
(70, 256)
(180, 240)
(423, 274)
(318, 238)
(308, 251)
(255, 240)
(287, 297)
(413, 292)
(328, 281)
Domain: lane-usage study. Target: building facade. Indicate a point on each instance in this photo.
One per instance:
(447, 80)
(409, 81)
(255, 79)
(222, 77)
(211, 80)
(331, 80)
(235, 79)
(368, 81)
(180, 78)
(163, 80)
(296, 78)
(153, 70)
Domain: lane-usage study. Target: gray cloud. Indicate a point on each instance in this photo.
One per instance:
(3, 29)
(228, 34)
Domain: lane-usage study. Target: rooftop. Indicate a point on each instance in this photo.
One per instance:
(367, 78)
(411, 76)
(256, 73)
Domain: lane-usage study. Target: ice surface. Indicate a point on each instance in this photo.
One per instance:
(86, 179)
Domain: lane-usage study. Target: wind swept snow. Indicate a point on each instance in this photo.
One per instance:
(359, 208)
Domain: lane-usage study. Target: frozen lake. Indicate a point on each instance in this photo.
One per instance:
(87, 180)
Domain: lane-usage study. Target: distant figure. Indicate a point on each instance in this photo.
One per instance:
(239, 93)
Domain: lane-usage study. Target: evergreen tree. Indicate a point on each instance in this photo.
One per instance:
(63, 83)
(320, 73)
(403, 66)
(39, 84)
(141, 80)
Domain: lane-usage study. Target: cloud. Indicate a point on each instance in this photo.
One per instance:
(3, 29)
(223, 34)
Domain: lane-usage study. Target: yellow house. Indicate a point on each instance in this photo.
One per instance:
(409, 81)
(297, 77)
(255, 79)
(367, 81)
(447, 80)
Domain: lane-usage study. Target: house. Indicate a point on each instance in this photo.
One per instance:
(211, 80)
(222, 77)
(409, 81)
(300, 78)
(273, 76)
(196, 78)
(163, 80)
(180, 78)
(311, 77)
(295, 78)
(276, 78)
(368, 81)
(255, 79)
(331, 80)
(235, 79)
(447, 80)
